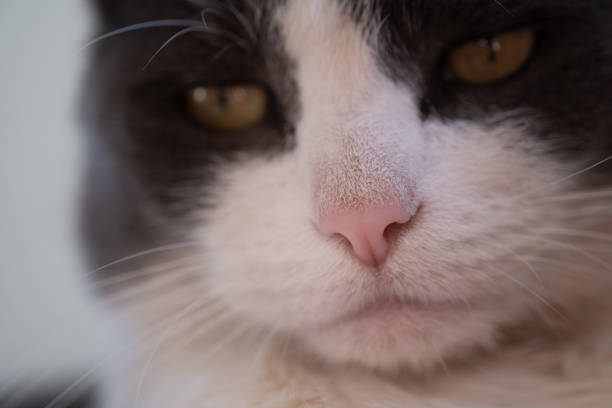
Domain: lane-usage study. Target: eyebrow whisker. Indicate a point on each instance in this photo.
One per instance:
(500, 4)
(226, 9)
(170, 40)
(210, 10)
(142, 26)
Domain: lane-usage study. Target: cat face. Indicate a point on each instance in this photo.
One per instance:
(389, 206)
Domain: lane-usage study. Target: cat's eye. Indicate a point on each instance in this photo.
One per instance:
(488, 60)
(228, 108)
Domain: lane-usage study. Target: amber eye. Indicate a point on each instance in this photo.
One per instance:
(488, 60)
(229, 108)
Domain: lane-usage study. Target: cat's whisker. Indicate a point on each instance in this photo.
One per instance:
(257, 14)
(264, 346)
(586, 195)
(216, 319)
(148, 307)
(172, 265)
(81, 390)
(17, 399)
(604, 250)
(170, 40)
(189, 26)
(239, 330)
(567, 246)
(214, 324)
(563, 179)
(500, 4)
(151, 251)
(565, 265)
(85, 376)
(226, 342)
(236, 14)
(585, 214)
(19, 375)
(284, 350)
(176, 318)
(78, 382)
(209, 10)
(129, 299)
(441, 360)
(218, 55)
(529, 290)
(529, 266)
(578, 233)
(195, 320)
(177, 277)
(143, 26)
(244, 22)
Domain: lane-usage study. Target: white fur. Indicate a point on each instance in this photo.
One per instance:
(476, 262)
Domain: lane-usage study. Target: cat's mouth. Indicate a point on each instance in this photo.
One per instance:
(389, 333)
(389, 311)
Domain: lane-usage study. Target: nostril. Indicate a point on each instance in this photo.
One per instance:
(363, 251)
(393, 230)
(369, 231)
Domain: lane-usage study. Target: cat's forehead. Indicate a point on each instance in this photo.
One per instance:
(409, 16)
(408, 42)
(399, 31)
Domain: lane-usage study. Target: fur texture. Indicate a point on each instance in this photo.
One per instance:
(495, 294)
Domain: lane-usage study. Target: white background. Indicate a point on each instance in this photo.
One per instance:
(47, 326)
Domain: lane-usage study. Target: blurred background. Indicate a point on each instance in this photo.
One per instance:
(49, 330)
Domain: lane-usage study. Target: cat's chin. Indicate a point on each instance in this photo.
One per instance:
(391, 335)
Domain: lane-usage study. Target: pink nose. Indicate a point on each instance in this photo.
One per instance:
(365, 230)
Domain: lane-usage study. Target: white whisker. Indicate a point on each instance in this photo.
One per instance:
(102, 363)
(163, 248)
(170, 40)
(246, 25)
(585, 195)
(529, 266)
(173, 265)
(177, 317)
(566, 178)
(161, 282)
(217, 320)
(229, 338)
(570, 247)
(142, 26)
(259, 357)
(598, 236)
(565, 265)
(500, 4)
(529, 290)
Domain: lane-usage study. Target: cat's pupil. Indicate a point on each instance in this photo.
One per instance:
(222, 94)
(492, 46)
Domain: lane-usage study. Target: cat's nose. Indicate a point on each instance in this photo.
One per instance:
(366, 230)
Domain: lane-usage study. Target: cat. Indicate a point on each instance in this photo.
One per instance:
(368, 203)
